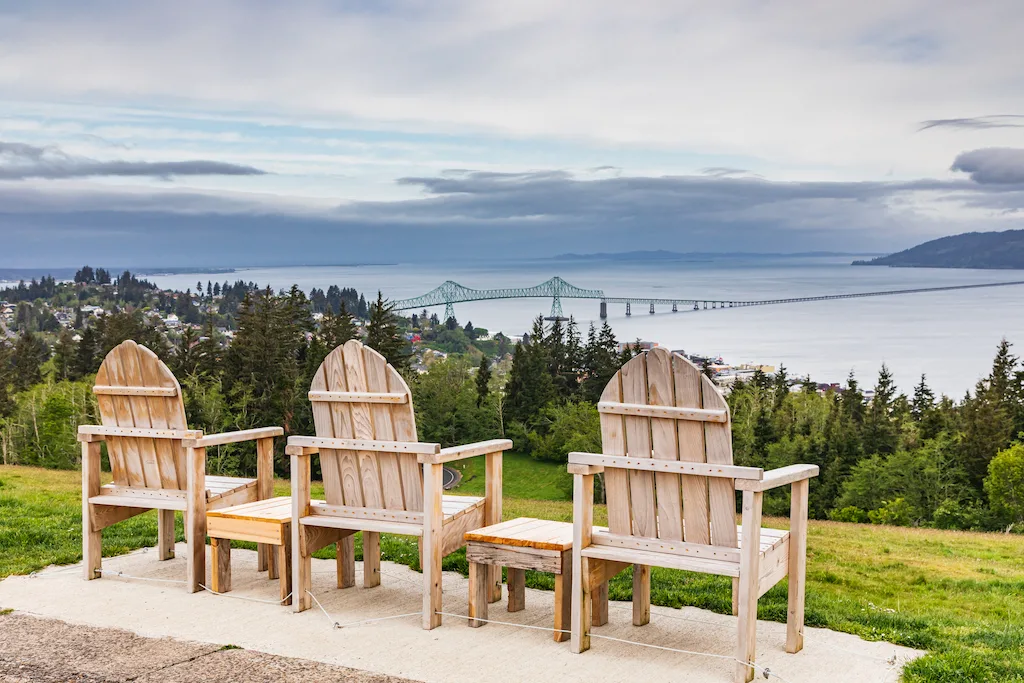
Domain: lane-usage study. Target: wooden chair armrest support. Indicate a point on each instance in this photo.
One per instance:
(467, 451)
(575, 468)
(778, 477)
(703, 469)
(90, 433)
(233, 437)
(301, 450)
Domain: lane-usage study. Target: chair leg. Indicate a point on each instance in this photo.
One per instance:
(371, 559)
(599, 604)
(641, 594)
(797, 567)
(195, 531)
(516, 589)
(302, 569)
(479, 578)
(284, 561)
(345, 557)
(165, 534)
(749, 571)
(735, 597)
(563, 599)
(92, 546)
(221, 571)
(432, 547)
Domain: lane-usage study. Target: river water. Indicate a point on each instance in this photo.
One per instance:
(950, 336)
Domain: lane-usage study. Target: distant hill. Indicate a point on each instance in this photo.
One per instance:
(992, 250)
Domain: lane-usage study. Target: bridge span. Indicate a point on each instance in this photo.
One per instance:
(450, 293)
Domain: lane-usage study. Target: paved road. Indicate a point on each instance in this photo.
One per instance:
(51, 651)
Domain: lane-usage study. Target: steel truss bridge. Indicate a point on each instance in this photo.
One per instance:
(556, 289)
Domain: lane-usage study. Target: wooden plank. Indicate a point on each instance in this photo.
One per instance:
(255, 531)
(693, 564)
(155, 475)
(220, 574)
(115, 449)
(454, 534)
(375, 397)
(362, 424)
(723, 472)
(284, 560)
(517, 589)
(103, 516)
(345, 558)
(355, 524)
(690, 435)
(638, 446)
(641, 594)
(493, 509)
(363, 445)
(195, 524)
(341, 415)
(603, 571)
(154, 374)
(598, 597)
(779, 477)
(367, 513)
(371, 559)
(516, 558)
(403, 421)
(721, 492)
(136, 433)
(563, 598)
(323, 425)
(146, 503)
(390, 475)
(664, 445)
(432, 551)
(682, 548)
(122, 417)
(453, 453)
(92, 537)
(797, 566)
(582, 526)
(478, 580)
(662, 411)
(616, 482)
(746, 650)
(108, 390)
(265, 491)
(236, 437)
(302, 556)
(173, 408)
(773, 567)
(527, 533)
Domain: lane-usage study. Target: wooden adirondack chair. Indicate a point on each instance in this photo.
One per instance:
(670, 484)
(379, 478)
(158, 463)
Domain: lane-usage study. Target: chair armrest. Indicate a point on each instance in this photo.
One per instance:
(89, 433)
(468, 451)
(233, 437)
(778, 477)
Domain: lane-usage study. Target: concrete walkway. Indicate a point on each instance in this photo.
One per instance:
(399, 647)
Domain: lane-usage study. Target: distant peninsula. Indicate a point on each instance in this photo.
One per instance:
(987, 250)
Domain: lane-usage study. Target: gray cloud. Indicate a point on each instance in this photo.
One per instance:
(19, 161)
(992, 165)
(727, 171)
(976, 122)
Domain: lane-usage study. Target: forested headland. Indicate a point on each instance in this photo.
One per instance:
(245, 356)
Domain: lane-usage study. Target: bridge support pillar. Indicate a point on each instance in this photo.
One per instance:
(652, 308)
(696, 306)
(705, 305)
(674, 309)
(627, 308)
(604, 310)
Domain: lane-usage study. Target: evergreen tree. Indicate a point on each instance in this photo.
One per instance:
(468, 329)
(86, 362)
(383, 335)
(881, 431)
(30, 352)
(6, 379)
(64, 352)
(923, 401)
(529, 387)
(337, 328)
(483, 381)
(78, 317)
(185, 359)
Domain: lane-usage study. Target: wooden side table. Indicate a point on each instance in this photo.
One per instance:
(521, 544)
(265, 521)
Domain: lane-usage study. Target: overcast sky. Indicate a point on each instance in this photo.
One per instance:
(255, 133)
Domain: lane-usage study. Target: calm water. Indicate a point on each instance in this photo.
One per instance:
(950, 336)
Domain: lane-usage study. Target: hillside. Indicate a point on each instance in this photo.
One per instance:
(992, 250)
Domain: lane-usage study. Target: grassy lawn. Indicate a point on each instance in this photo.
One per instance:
(958, 595)
(521, 477)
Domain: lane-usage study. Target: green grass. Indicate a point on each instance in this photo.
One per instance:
(958, 595)
(522, 477)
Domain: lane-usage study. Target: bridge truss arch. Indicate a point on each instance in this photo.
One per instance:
(450, 293)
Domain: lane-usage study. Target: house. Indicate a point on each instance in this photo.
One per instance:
(172, 322)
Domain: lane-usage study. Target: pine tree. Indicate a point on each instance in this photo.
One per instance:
(923, 401)
(881, 432)
(6, 379)
(185, 359)
(383, 335)
(30, 352)
(64, 352)
(337, 328)
(483, 381)
(85, 362)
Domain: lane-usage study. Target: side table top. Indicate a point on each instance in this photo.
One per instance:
(526, 532)
(271, 510)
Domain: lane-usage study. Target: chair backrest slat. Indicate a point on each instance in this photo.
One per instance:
(392, 481)
(135, 461)
(661, 505)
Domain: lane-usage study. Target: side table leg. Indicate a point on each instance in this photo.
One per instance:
(516, 589)
(563, 599)
(479, 584)
(600, 605)
(221, 574)
(284, 561)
